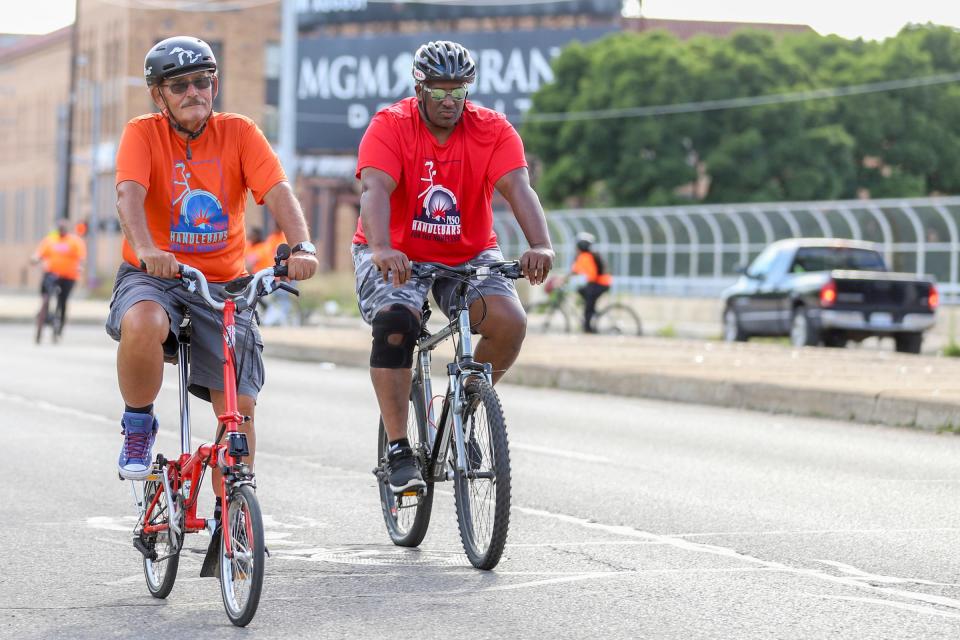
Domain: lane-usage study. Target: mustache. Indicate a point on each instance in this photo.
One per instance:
(194, 103)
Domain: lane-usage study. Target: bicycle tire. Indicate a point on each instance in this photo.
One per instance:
(41, 321)
(618, 320)
(241, 577)
(407, 523)
(483, 501)
(160, 574)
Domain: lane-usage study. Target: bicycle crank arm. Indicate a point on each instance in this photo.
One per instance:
(173, 520)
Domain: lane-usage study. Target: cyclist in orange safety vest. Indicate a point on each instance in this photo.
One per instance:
(591, 267)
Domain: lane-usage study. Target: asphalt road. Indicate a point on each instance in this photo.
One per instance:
(630, 518)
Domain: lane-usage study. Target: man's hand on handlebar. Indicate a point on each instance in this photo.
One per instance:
(536, 264)
(302, 266)
(390, 261)
(159, 263)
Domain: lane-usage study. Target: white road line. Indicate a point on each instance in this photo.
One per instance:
(890, 603)
(813, 532)
(860, 574)
(559, 453)
(726, 552)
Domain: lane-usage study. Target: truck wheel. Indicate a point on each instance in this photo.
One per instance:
(732, 331)
(908, 342)
(802, 331)
(835, 339)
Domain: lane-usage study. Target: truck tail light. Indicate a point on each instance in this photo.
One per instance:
(828, 294)
(933, 299)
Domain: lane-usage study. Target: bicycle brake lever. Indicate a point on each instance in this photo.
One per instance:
(289, 288)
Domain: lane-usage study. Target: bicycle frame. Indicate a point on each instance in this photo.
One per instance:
(190, 466)
(463, 361)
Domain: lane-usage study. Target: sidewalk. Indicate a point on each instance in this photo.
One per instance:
(865, 385)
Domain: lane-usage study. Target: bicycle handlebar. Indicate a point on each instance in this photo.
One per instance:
(508, 269)
(194, 281)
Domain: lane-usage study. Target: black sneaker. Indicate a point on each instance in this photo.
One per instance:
(403, 473)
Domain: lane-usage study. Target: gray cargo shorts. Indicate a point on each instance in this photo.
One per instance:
(206, 340)
(373, 294)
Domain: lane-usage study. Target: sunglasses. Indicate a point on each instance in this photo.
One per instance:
(179, 87)
(440, 95)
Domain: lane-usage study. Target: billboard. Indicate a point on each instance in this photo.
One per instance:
(313, 13)
(343, 81)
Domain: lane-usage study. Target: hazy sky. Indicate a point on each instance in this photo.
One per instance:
(848, 18)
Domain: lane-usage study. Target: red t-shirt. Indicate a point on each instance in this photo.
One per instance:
(195, 208)
(440, 210)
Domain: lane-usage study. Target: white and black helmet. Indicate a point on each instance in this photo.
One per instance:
(176, 56)
(443, 60)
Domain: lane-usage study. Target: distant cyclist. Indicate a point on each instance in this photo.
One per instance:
(591, 267)
(62, 254)
(428, 166)
(183, 177)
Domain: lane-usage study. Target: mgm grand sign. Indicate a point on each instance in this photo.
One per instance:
(343, 81)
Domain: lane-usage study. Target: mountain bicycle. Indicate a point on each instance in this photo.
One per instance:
(50, 290)
(167, 500)
(467, 444)
(562, 310)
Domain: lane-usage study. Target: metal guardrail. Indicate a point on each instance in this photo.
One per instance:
(693, 250)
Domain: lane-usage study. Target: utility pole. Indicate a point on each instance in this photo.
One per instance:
(287, 134)
(93, 226)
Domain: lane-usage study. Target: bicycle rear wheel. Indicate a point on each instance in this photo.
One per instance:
(618, 319)
(160, 570)
(241, 575)
(407, 516)
(482, 494)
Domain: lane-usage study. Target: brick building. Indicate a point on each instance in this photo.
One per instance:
(107, 45)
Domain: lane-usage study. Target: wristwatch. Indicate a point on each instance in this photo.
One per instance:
(304, 247)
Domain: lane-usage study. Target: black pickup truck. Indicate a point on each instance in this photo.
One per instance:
(822, 291)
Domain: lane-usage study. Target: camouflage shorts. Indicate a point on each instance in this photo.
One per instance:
(373, 294)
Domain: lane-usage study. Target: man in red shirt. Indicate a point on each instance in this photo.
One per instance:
(183, 176)
(428, 166)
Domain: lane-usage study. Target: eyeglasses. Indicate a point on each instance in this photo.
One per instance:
(201, 83)
(440, 95)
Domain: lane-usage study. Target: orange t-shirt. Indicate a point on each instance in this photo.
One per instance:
(586, 265)
(62, 255)
(195, 208)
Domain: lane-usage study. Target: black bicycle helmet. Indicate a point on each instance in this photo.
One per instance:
(443, 60)
(176, 56)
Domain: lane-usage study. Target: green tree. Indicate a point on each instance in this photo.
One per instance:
(899, 142)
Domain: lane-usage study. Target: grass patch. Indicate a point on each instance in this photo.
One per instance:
(666, 331)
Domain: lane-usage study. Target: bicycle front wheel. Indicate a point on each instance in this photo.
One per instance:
(241, 571)
(618, 320)
(482, 492)
(160, 569)
(407, 516)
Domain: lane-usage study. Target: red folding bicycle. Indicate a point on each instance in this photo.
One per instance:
(167, 499)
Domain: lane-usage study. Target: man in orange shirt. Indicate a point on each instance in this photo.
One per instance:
(62, 254)
(183, 175)
(590, 266)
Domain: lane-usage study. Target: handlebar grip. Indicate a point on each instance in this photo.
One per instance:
(513, 271)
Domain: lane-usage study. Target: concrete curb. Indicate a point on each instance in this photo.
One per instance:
(881, 408)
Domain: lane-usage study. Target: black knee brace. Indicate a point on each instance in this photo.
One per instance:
(395, 333)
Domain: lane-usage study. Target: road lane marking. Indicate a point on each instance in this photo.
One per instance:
(888, 603)
(732, 554)
(860, 574)
(559, 453)
(812, 532)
